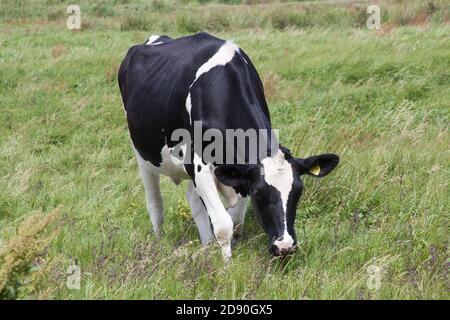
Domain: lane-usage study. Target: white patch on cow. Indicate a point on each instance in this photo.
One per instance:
(189, 105)
(153, 197)
(170, 165)
(152, 39)
(278, 173)
(224, 55)
(207, 191)
(286, 243)
(220, 58)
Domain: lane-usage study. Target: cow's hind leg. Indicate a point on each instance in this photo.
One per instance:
(199, 214)
(152, 194)
(237, 214)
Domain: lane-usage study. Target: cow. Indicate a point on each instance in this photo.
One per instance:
(170, 84)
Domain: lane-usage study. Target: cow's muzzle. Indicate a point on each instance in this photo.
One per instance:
(283, 247)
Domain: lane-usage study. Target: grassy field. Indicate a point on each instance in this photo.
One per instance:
(379, 99)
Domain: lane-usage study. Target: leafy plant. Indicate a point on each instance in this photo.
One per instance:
(23, 254)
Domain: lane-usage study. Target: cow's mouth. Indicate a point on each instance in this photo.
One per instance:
(282, 252)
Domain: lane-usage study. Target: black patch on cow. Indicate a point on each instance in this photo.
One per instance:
(155, 80)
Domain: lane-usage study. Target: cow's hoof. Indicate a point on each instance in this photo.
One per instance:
(158, 234)
(207, 242)
(226, 253)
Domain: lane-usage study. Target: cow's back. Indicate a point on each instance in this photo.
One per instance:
(157, 80)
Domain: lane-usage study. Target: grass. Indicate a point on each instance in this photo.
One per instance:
(379, 99)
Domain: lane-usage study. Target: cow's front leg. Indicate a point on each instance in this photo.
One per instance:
(152, 194)
(199, 214)
(220, 219)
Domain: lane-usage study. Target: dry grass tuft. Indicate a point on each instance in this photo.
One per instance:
(25, 250)
(111, 72)
(59, 50)
(270, 83)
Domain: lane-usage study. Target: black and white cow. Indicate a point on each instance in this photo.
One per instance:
(167, 84)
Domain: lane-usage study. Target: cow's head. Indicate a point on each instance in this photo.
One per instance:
(275, 188)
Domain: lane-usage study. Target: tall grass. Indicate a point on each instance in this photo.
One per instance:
(188, 16)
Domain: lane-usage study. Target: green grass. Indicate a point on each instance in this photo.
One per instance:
(378, 99)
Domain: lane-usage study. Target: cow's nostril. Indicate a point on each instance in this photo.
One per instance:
(281, 251)
(284, 250)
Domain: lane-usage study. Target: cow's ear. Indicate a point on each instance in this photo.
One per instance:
(234, 175)
(317, 166)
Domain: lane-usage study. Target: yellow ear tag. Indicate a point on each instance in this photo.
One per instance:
(315, 170)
